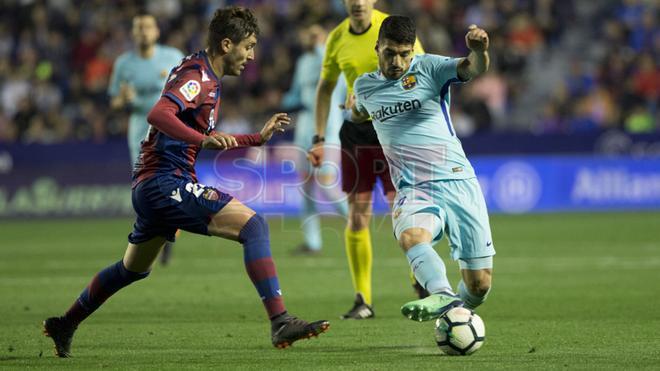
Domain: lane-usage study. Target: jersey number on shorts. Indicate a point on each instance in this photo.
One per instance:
(195, 188)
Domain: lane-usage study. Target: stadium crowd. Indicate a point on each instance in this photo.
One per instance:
(559, 66)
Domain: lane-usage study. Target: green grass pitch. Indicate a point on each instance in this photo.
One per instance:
(576, 291)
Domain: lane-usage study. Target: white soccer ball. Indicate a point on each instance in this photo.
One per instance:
(459, 332)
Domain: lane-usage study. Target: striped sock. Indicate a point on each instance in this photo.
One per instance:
(260, 266)
(104, 284)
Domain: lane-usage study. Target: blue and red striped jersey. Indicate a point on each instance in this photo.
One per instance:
(195, 89)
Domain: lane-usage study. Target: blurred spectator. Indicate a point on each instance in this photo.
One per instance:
(492, 89)
(646, 78)
(640, 120)
(551, 121)
(55, 57)
(524, 34)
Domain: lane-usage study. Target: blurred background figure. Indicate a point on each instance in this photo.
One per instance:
(138, 77)
(56, 59)
(301, 98)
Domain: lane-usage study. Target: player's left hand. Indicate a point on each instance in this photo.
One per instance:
(275, 124)
(349, 104)
(476, 39)
(228, 141)
(219, 141)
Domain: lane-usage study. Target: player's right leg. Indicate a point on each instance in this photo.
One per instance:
(429, 270)
(418, 222)
(135, 266)
(238, 222)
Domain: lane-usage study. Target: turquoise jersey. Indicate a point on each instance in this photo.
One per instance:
(147, 77)
(412, 120)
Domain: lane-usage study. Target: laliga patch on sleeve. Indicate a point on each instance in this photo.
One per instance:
(190, 90)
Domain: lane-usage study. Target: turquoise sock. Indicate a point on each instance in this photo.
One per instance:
(429, 269)
(337, 200)
(471, 301)
(311, 224)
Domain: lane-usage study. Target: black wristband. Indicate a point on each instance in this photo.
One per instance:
(317, 139)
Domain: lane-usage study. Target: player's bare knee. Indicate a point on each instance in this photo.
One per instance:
(413, 236)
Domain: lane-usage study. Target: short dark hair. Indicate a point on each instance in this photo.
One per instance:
(234, 23)
(398, 28)
(143, 12)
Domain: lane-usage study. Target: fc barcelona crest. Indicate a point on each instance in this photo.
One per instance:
(409, 82)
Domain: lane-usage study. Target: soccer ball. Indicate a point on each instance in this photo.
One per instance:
(459, 332)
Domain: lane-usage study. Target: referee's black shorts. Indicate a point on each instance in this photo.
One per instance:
(362, 159)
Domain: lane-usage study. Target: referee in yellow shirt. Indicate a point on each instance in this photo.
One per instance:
(350, 50)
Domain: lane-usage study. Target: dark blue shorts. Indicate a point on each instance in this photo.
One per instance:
(166, 203)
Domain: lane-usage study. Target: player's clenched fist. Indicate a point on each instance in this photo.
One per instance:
(275, 124)
(476, 39)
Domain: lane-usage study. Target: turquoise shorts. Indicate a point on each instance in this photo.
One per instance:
(454, 207)
(138, 128)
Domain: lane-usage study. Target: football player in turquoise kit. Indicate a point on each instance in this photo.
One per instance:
(167, 196)
(408, 100)
(138, 77)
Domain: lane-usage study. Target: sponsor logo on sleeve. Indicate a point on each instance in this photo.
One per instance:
(190, 89)
(211, 194)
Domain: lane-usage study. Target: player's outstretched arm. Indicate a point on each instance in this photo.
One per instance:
(478, 61)
(276, 124)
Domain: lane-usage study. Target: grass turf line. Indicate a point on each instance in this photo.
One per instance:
(570, 291)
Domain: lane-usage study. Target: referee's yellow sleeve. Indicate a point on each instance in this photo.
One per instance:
(419, 49)
(330, 70)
